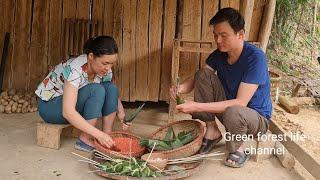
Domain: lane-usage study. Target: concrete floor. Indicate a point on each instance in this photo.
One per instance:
(21, 158)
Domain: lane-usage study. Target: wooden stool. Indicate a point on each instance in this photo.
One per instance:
(48, 135)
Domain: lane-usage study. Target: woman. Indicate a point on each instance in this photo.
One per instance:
(79, 91)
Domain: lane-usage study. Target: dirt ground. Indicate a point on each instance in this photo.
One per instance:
(307, 121)
(21, 158)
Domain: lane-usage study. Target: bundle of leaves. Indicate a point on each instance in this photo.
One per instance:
(131, 167)
(171, 141)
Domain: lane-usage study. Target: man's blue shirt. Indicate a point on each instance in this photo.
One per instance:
(251, 68)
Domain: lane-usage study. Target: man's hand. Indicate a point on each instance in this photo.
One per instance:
(188, 107)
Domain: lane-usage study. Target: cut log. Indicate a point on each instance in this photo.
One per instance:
(286, 159)
(304, 101)
(289, 105)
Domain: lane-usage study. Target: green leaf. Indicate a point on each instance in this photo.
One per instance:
(145, 172)
(136, 173)
(179, 99)
(160, 144)
(169, 135)
(118, 168)
(186, 137)
(130, 117)
(176, 143)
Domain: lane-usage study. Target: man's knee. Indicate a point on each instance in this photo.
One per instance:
(202, 73)
(232, 116)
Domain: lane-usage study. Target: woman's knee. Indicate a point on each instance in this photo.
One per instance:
(111, 89)
(97, 90)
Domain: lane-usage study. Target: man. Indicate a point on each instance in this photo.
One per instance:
(239, 95)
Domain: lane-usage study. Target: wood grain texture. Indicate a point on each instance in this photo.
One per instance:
(142, 49)
(169, 28)
(8, 11)
(117, 34)
(21, 44)
(189, 62)
(108, 17)
(132, 50)
(246, 11)
(210, 8)
(125, 65)
(39, 43)
(155, 22)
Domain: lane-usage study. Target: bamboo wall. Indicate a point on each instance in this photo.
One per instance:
(143, 29)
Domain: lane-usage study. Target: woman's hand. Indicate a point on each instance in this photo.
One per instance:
(125, 126)
(105, 140)
(121, 116)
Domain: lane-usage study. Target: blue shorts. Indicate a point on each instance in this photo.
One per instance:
(94, 101)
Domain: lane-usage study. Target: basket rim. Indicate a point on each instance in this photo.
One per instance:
(198, 138)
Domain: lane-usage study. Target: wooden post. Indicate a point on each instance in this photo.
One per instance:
(174, 75)
(266, 24)
(246, 11)
(295, 89)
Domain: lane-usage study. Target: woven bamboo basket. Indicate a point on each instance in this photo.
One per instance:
(111, 153)
(178, 126)
(275, 80)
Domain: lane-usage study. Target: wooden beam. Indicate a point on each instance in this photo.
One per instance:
(306, 160)
(266, 24)
(192, 10)
(295, 89)
(196, 50)
(174, 75)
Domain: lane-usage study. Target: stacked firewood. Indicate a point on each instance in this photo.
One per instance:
(17, 101)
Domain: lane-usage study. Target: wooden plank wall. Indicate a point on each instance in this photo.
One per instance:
(7, 14)
(144, 31)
